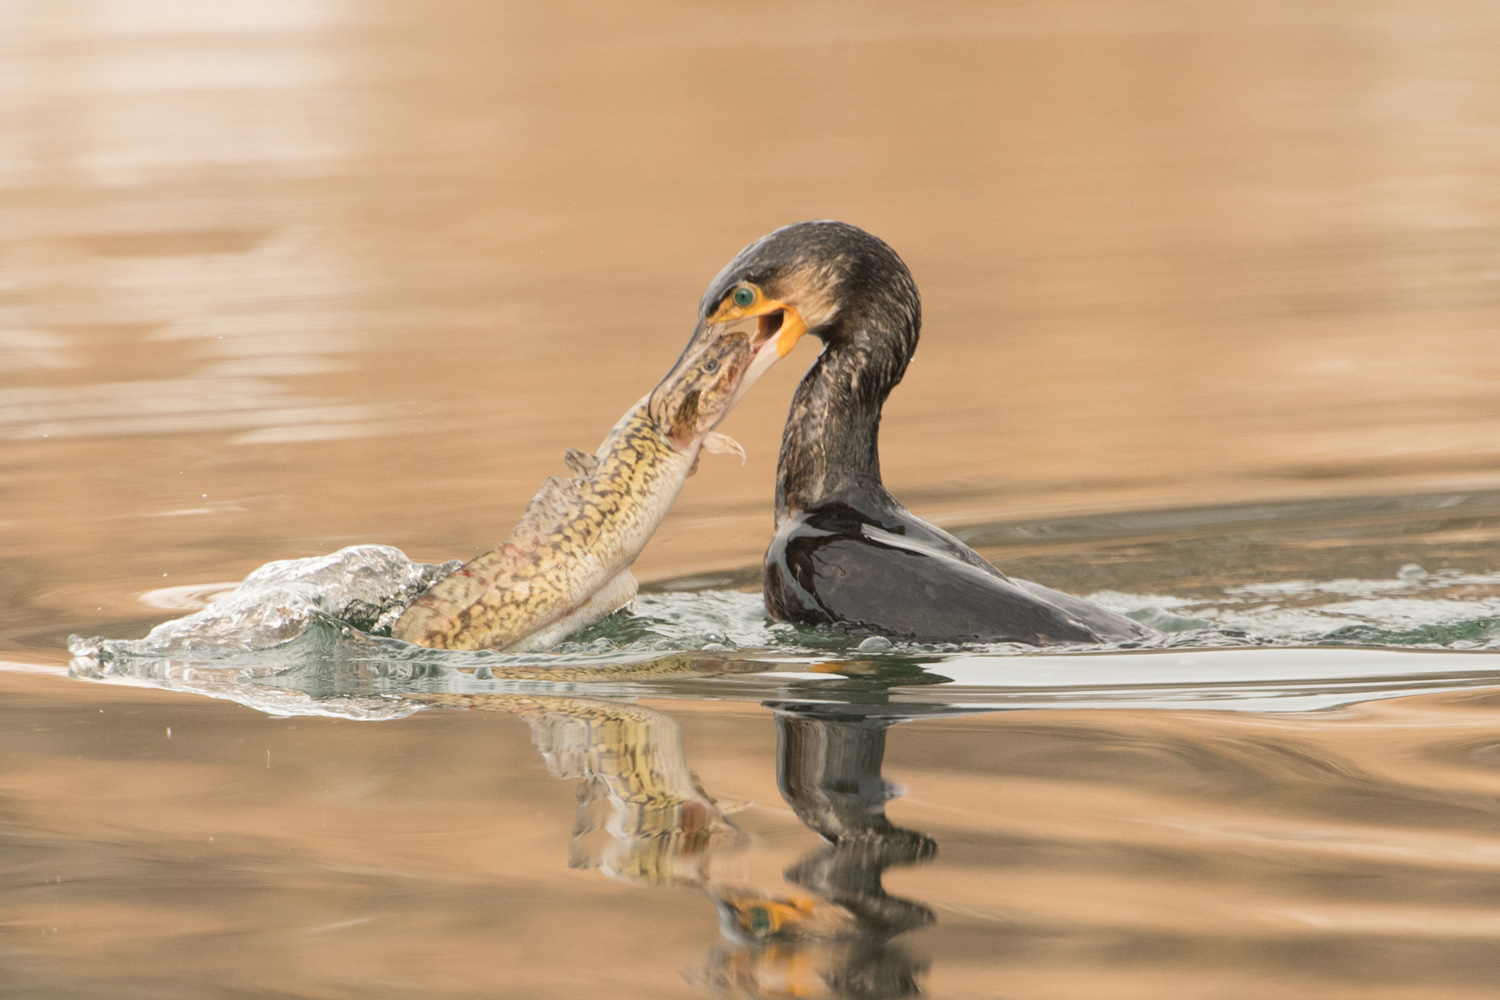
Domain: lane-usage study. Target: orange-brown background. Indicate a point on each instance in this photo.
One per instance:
(362, 272)
(278, 276)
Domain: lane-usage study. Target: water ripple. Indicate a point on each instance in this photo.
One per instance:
(311, 635)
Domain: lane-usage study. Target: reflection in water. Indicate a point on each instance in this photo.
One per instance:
(1199, 855)
(828, 763)
(828, 768)
(636, 786)
(644, 818)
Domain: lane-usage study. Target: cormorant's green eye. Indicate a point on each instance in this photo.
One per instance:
(743, 296)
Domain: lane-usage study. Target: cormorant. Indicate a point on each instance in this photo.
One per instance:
(847, 553)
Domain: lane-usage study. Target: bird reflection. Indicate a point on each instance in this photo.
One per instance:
(838, 944)
(644, 818)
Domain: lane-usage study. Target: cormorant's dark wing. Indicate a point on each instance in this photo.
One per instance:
(1108, 625)
(906, 591)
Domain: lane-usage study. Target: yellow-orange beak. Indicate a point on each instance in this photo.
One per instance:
(780, 323)
(778, 327)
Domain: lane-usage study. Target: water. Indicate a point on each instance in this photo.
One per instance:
(1210, 301)
(794, 812)
(319, 628)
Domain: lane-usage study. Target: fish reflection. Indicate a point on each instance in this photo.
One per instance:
(643, 817)
(659, 826)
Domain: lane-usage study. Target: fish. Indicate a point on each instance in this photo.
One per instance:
(567, 563)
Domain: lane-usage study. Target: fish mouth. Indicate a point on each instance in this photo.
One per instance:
(770, 331)
(705, 383)
(773, 332)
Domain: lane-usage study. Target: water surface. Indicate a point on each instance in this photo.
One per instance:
(1210, 308)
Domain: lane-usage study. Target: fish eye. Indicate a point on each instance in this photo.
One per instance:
(743, 296)
(711, 365)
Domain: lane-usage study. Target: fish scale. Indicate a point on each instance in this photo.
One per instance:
(567, 563)
(572, 540)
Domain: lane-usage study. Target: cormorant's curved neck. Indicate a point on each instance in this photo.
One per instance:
(830, 449)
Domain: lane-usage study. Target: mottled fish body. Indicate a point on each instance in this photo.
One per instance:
(567, 564)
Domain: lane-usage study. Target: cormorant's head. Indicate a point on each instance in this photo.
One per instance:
(830, 279)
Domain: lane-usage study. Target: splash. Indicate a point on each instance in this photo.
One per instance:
(312, 636)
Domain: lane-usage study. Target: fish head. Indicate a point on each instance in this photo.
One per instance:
(832, 280)
(704, 385)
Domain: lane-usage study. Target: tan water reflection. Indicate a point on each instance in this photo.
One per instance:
(644, 819)
(1101, 854)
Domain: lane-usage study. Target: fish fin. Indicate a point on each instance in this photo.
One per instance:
(546, 512)
(723, 444)
(580, 463)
